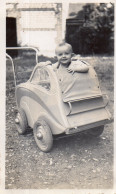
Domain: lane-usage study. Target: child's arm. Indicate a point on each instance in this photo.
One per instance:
(78, 66)
(45, 63)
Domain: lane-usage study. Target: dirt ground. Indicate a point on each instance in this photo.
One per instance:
(76, 162)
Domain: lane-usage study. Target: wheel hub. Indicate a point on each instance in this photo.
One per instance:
(39, 135)
(17, 121)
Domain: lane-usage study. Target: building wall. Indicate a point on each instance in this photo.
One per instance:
(38, 25)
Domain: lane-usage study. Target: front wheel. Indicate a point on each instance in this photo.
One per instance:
(21, 121)
(43, 136)
(96, 132)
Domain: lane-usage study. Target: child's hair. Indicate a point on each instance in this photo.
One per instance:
(63, 43)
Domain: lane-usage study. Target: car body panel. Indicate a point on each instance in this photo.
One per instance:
(37, 102)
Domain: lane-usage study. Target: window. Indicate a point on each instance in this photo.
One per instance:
(41, 78)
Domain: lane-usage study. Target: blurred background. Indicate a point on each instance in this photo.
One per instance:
(89, 28)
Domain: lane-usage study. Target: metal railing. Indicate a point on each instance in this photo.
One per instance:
(22, 48)
(19, 48)
(12, 68)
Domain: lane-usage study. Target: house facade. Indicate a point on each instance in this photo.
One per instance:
(37, 24)
(40, 25)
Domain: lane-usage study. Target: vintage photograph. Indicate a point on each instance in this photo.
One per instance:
(59, 95)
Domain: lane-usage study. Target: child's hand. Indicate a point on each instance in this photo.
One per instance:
(45, 63)
(48, 63)
(70, 70)
(78, 66)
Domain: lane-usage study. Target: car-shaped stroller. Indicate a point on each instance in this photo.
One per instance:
(43, 106)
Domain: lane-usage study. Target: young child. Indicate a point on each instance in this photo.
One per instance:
(65, 59)
(66, 67)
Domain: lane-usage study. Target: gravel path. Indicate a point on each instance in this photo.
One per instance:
(74, 162)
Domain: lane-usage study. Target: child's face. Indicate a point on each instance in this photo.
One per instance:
(64, 55)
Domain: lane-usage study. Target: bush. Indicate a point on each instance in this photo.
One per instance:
(95, 35)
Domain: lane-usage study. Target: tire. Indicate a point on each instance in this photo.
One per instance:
(21, 121)
(96, 132)
(43, 136)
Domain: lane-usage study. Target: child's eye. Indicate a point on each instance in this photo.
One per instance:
(60, 54)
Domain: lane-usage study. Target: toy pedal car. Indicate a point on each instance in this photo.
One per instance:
(43, 106)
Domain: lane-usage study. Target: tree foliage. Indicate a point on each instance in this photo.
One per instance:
(97, 32)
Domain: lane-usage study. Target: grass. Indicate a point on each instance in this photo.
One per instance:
(24, 65)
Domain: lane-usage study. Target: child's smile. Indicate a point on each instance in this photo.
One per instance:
(64, 55)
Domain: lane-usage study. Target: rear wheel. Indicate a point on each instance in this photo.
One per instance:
(96, 132)
(43, 136)
(21, 121)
